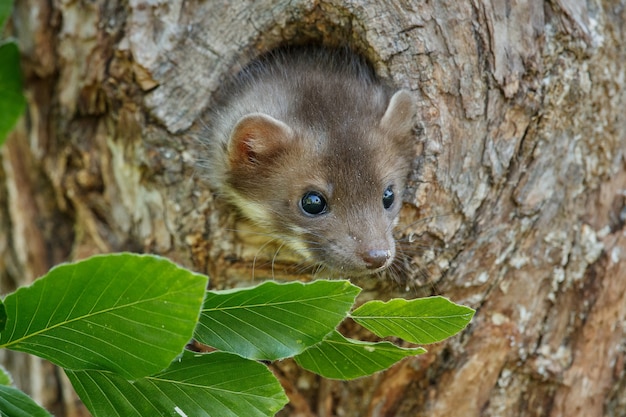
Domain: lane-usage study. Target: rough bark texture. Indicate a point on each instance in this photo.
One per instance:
(516, 205)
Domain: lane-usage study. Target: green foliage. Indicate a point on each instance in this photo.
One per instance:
(125, 313)
(12, 101)
(118, 324)
(220, 384)
(274, 321)
(14, 403)
(5, 12)
(5, 378)
(421, 321)
(337, 357)
(3, 316)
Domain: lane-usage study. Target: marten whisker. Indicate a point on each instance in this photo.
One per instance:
(274, 259)
(257, 254)
(424, 220)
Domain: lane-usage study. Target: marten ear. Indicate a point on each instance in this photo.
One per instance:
(400, 115)
(257, 137)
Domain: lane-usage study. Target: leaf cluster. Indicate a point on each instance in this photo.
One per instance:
(118, 325)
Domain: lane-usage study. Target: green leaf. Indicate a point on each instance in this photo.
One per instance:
(3, 313)
(126, 313)
(274, 321)
(5, 377)
(217, 384)
(14, 403)
(5, 11)
(421, 321)
(12, 101)
(339, 358)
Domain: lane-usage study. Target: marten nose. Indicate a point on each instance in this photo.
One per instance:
(375, 258)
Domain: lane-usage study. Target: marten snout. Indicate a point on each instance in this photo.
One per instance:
(376, 258)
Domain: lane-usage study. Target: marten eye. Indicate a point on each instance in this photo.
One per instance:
(388, 197)
(313, 203)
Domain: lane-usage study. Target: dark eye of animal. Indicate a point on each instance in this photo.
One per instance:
(388, 197)
(313, 203)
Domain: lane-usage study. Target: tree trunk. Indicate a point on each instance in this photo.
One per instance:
(516, 205)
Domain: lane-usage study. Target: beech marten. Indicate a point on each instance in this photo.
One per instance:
(314, 149)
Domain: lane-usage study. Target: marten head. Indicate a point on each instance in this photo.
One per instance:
(315, 150)
(332, 194)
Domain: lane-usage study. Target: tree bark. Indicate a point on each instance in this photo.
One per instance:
(516, 205)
